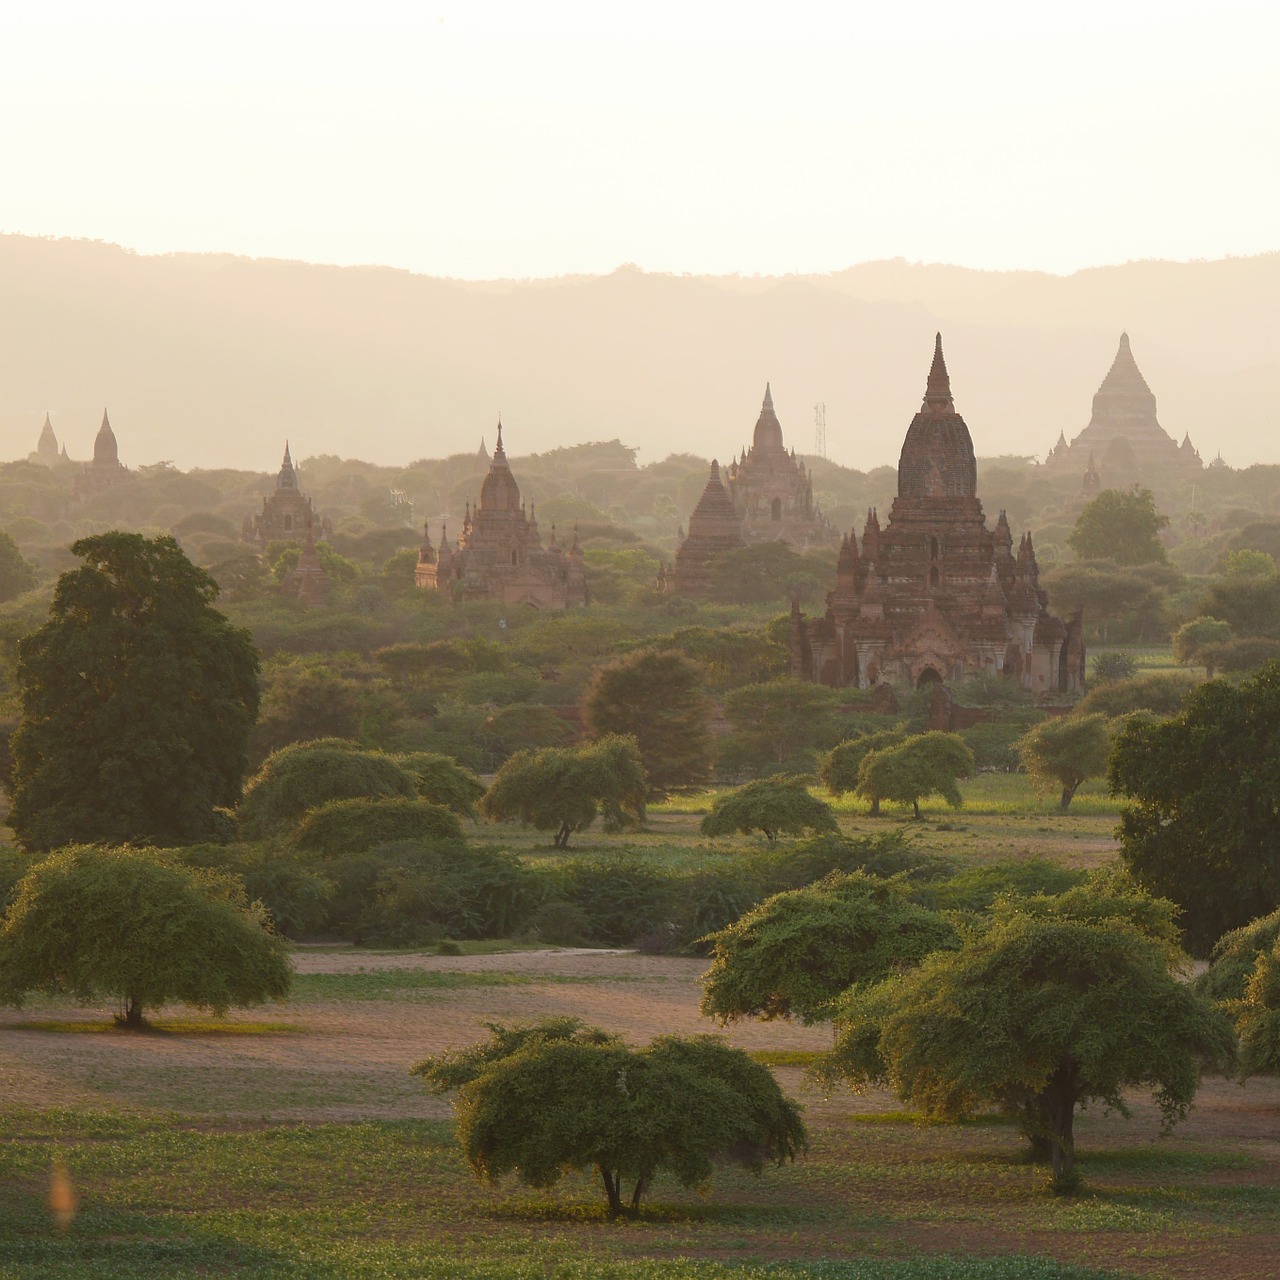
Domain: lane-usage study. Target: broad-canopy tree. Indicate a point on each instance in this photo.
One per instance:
(442, 780)
(924, 764)
(773, 806)
(1202, 826)
(796, 952)
(546, 1099)
(838, 769)
(660, 700)
(778, 723)
(564, 789)
(1234, 957)
(1257, 1016)
(1063, 751)
(1040, 1012)
(17, 573)
(138, 698)
(1195, 641)
(356, 826)
(1120, 525)
(92, 921)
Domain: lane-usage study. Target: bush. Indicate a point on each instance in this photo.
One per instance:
(620, 897)
(308, 774)
(356, 826)
(976, 888)
(992, 745)
(443, 780)
(1107, 668)
(1161, 693)
(773, 806)
(1234, 957)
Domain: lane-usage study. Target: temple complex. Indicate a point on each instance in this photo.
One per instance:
(771, 490)
(47, 451)
(286, 515)
(499, 555)
(1124, 443)
(714, 528)
(935, 595)
(106, 469)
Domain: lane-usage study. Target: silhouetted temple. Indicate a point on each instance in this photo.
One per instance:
(935, 595)
(772, 491)
(106, 469)
(714, 529)
(500, 555)
(1124, 443)
(287, 514)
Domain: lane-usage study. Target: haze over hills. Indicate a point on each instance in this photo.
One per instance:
(212, 360)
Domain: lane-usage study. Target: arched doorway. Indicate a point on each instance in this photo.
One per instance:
(927, 678)
(776, 509)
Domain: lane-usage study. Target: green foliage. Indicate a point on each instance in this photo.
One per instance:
(563, 789)
(1162, 693)
(620, 898)
(521, 727)
(1120, 526)
(1201, 826)
(305, 698)
(355, 826)
(730, 657)
(137, 697)
(774, 806)
(838, 769)
(797, 951)
(1063, 751)
(1192, 639)
(1119, 603)
(1248, 564)
(308, 774)
(337, 566)
(1040, 1012)
(778, 726)
(770, 572)
(443, 781)
(976, 888)
(1249, 604)
(92, 922)
(995, 744)
(549, 1099)
(1234, 957)
(922, 765)
(1258, 1016)
(1107, 668)
(17, 574)
(659, 699)
(1234, 657)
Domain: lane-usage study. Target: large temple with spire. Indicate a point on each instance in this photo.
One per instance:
(772, 491)
(714, 529)
(106, 469)
(499, 553)
(934, 595)
(286, 515)
(1124, 443)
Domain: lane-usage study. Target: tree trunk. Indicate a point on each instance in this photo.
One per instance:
(915, 804)
(611, 1191)
(1059, 1103)
(642, 1185)
(875, 806)
(132, 1014)
(562, 836)
(1068, 793)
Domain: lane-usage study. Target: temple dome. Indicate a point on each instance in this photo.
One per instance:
(499, 492)
(768, 433)
(937, 456)
(106, 452)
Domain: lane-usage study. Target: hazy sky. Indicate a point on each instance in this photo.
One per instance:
(485, 139)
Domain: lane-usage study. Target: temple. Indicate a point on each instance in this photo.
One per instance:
(1124, 443)
(714, 529)
(499, 555)
(934, 595)
(287, 515)
(106, 468)
(771, 490)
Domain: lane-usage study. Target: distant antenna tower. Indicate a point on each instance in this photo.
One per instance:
(820, 429)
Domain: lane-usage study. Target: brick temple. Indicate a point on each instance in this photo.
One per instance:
(934, 595)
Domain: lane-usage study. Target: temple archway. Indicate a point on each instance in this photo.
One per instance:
(927, 678)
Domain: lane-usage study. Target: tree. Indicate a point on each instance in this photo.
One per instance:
(92, 921)
(355, 826)
(306, 775)
(557, 1096)
(1234, 957)
(922, 765)
(838, 769)
(1249, 604)
(659, 699)
(777, 723)
(442, 780)
(1257, 1016)
(1161, 693)
(1193, 640)
(138, 698)
(796, 952)
(1120, 525)
(563, 789)
(1038, 1014)
(1063, 751)
(1202, 825)
(1107, 668)
(17, 574)
(774, 806)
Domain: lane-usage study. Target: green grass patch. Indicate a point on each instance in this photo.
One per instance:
(160, 1027)
(401, 984)
(787, 1057)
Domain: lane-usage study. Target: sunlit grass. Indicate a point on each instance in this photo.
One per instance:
(158, 1026)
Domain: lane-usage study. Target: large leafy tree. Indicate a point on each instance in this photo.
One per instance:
(660, 700)
(1203, 823)
(922, 765)
(1052, 1006)
(564, 789)
(544, 1099)
(774, 806)
(138, 698)
(1120, 525)
(780, 723)
(838, 769)
(796, 952)
(17, 573)
(1064, 751)
(125, 923)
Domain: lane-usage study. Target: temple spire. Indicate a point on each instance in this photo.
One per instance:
(768, 397)
(937, 395)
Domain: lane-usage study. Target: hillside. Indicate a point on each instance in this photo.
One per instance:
(211, 361)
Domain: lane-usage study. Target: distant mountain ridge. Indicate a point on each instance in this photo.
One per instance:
(212, 360)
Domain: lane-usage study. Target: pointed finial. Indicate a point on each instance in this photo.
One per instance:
(768, 397)
(1124, 341)
(715, 469)
(937, 393)
(106, 423)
